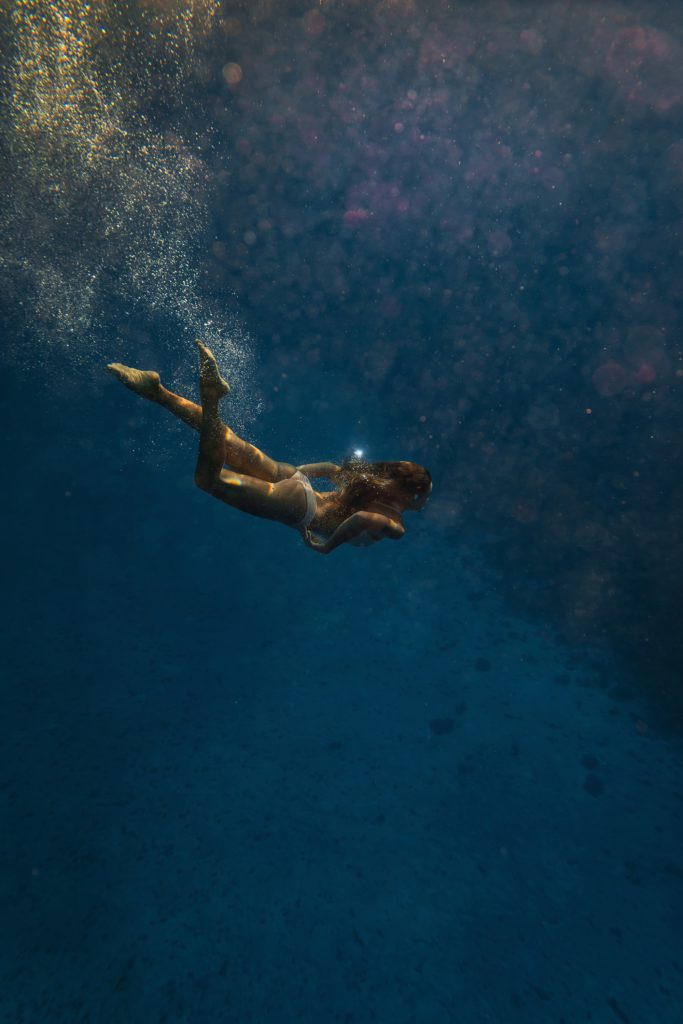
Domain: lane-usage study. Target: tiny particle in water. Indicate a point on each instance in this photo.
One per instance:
(441, 726)
(593, 785)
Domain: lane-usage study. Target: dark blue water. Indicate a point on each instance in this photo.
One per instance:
(434, 782)
(241, 782)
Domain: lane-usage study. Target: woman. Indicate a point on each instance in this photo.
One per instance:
(366, 507)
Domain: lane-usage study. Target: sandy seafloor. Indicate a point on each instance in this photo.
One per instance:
(244, 783)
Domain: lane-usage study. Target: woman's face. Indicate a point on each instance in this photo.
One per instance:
(410, 500)
(420, 500)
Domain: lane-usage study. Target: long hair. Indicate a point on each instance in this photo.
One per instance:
(360, 482)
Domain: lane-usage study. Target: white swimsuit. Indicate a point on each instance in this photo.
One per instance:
(311, 501)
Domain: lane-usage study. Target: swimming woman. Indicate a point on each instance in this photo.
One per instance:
(366, 506)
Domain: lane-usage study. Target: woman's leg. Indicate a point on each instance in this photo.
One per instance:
(211, 457)
(239, 455)
(283, 502)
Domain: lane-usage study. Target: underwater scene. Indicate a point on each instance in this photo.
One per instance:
(281, 282)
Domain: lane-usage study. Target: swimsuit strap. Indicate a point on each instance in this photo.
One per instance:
(311, 501)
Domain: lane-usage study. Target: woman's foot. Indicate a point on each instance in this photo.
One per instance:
(142, 382)
(209, 374)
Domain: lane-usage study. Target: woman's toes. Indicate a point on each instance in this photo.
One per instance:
(209, 373)
(142, 382)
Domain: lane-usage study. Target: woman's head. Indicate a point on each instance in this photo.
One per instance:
(406, 485)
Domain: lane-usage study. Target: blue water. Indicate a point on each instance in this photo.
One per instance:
(433, 782)
(244, 783)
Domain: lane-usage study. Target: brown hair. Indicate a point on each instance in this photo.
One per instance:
(361, 482)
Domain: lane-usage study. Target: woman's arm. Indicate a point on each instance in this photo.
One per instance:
(375, 525)
(324, 469)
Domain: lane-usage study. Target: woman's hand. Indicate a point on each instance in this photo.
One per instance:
(313, 543)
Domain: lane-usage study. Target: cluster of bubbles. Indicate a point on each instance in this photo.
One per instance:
(107, 210)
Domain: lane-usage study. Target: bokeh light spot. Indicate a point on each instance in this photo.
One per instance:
(232, 73)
